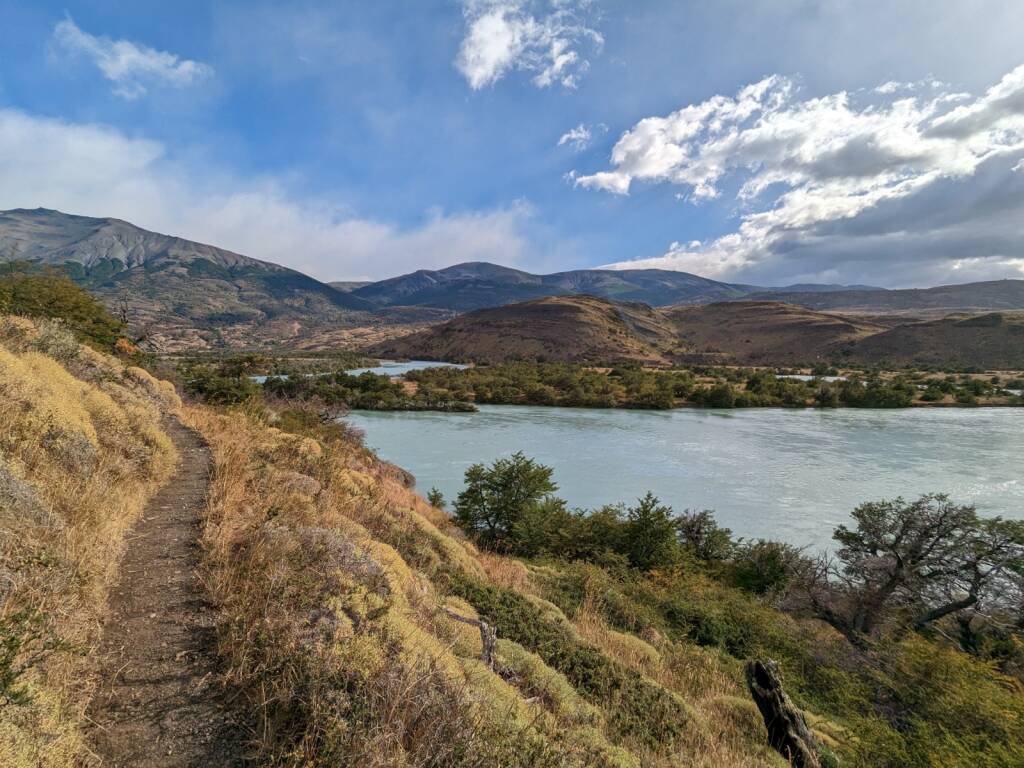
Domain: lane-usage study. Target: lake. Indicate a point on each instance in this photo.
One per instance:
(383, 368)
(400, 368)
(772, 473)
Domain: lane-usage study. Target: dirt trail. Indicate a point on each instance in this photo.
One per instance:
(160, 701)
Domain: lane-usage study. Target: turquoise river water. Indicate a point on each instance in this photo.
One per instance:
(791, 475)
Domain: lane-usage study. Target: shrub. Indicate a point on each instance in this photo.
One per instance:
(26, 292)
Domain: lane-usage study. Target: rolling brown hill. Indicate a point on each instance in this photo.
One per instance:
(589, 329)
(994, 341)
(562, 329)
(763, 333)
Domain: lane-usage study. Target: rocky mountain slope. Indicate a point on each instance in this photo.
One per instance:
(176, 288)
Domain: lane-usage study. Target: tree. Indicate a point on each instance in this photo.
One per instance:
(496, 497)
(700, 534)
(911, 564)
(31, 293)
(650, 535)
(435, 498)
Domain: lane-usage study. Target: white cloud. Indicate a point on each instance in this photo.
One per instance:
(550, 39)
(893, 86)
(132, 68)
(579, 138)
(96, 170)
(808, 170)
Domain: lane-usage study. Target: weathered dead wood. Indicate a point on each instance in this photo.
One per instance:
(788, 733)
(488, 635)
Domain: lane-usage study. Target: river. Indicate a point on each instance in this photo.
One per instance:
(791, 475)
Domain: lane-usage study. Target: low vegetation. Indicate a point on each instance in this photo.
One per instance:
(81, 450)
(234, 380)
(709, 387)
(29, 292)
(622, 632)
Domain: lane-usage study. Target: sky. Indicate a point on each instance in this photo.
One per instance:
(755, 141)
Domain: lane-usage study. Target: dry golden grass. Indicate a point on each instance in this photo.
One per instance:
(81, 452)
(330, 576)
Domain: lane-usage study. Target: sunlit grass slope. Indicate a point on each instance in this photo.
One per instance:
(81, 450)
(338, 586)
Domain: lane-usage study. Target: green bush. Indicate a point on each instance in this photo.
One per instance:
(25, 291)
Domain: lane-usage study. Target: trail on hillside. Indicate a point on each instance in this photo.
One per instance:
(160, 701)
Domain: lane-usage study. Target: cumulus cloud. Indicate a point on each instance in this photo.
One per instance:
(579, 138)
(96, 170)
(550, 39)
(812, 176)
(132, 68)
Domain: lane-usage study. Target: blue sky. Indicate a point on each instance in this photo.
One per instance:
(772, 141)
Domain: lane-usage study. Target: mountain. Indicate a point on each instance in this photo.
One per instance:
(178, 289)
(476, 285)
(557, 329)
(590, 329)
(990, 295)
(347, 286)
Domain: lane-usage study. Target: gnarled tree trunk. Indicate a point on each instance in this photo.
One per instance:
(488, 635)
(788, 733)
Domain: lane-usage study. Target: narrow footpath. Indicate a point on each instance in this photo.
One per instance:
(160, 701)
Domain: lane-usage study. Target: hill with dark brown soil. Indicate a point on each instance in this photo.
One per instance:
(993, 341)
(563, 328)
(763, 333)
(588, 329)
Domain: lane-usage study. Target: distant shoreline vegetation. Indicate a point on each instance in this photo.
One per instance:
(568, 385)
(559, 384)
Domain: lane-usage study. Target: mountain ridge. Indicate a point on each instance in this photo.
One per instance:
(175, 288)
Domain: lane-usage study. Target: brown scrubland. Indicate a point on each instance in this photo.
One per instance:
(81, 450)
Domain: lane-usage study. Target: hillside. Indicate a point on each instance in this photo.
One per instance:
(564, 329)
(993, 341)
(368, 630)
(175, 290)
(82, 449)
(763, 333)
(477, 285)
(588, 329)
(991, 295)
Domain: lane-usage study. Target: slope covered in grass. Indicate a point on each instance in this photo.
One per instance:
(340, 589)
(81, 450)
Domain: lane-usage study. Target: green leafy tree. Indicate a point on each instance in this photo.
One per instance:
(912, 564)
(24, 291)
(700, 535)
(650, 534)
(435, 498)
(496, 497)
